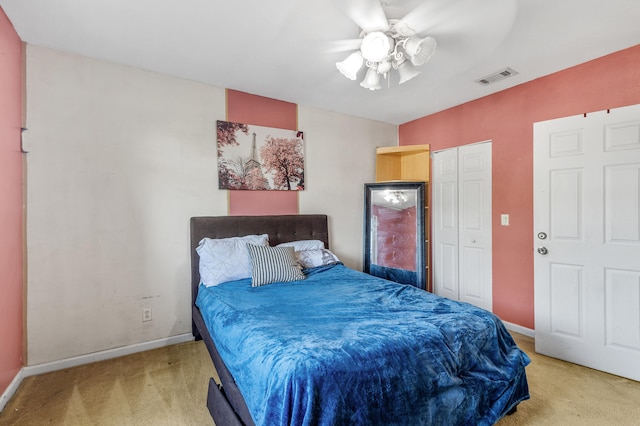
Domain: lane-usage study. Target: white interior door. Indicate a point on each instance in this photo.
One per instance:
(462, 244)
(587, 254)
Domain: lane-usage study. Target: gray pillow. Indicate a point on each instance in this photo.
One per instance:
(313, 258)
(273, 265)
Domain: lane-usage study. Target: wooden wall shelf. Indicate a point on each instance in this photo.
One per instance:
(407, 162)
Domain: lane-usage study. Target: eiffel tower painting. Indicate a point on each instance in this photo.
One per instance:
(275, 159)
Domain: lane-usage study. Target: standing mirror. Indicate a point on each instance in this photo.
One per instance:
(394, 234)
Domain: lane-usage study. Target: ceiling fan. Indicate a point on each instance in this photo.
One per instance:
(384, 44)
(403, 35)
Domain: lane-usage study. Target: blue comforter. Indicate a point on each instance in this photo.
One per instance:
(345, 348)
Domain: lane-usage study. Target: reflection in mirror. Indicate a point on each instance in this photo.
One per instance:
(394, 232)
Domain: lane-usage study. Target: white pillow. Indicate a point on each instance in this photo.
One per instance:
(314, 258)
(226, 259)
(303, 245)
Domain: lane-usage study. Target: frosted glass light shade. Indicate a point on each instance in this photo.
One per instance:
(419, 49)
(371, 80)
(407, 71)
(350, 66)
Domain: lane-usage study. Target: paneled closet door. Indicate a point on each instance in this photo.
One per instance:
(461, 208)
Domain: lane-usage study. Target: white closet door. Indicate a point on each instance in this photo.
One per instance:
(445, 223)
(462, 240)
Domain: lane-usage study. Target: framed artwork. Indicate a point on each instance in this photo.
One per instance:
(259, 158)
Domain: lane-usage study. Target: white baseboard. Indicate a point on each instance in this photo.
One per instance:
(75, 361)
(11, 390)
(519, 329)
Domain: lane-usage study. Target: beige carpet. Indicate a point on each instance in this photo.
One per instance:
(567, 394)
(168, 386)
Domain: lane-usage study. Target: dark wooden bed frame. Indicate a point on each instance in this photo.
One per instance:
(224, 400)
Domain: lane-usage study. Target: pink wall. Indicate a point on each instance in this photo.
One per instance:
(11, 339)
(507, 119)
(260, 111)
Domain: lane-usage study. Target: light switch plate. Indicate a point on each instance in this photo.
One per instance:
(504, 219)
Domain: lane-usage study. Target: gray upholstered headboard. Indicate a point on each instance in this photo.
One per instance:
(281, 229)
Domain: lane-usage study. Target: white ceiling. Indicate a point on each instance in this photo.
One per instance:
(286, 49)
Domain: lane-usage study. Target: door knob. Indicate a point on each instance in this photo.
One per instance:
(543, 250)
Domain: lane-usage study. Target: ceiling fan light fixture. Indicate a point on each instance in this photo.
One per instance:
(371, 80)
(350, 66)
(395, 197)
(381, 50)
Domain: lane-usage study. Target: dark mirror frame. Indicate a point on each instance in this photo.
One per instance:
(420, 261)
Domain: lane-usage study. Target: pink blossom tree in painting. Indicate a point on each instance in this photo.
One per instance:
(227, 136)
(284, 158)
(227, 133)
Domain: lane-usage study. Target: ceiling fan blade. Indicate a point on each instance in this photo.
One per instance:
(446, 17)
(367, 14)
(345, 45)
(419, 19)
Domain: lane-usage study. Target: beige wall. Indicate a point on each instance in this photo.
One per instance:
(341, 154)
(120, 159)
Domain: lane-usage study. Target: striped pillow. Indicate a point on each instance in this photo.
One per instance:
(273, 265)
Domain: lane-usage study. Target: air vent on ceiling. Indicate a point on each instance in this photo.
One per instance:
(497, 76)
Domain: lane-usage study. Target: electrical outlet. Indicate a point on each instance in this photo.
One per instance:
(146, 314)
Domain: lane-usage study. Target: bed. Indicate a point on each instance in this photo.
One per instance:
(342, 347)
